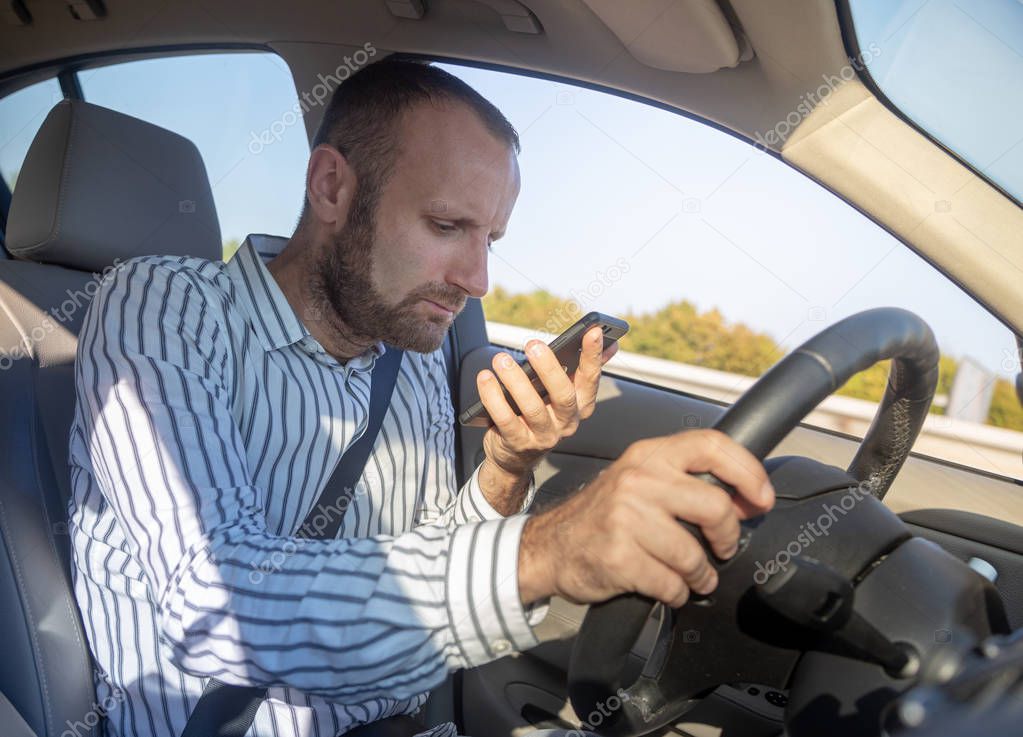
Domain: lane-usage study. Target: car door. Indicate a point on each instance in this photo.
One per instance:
(960, 488)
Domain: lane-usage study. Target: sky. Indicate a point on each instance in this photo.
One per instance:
(623, 205)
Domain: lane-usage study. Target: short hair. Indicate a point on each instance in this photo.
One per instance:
(361, 119)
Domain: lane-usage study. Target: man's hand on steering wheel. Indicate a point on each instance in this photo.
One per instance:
(621, 534)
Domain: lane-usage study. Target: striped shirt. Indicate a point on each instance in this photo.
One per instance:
(207, 421)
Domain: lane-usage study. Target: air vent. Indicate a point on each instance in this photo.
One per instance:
(411, 9)
(87, 9)
(16, 14)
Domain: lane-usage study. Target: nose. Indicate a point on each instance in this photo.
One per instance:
(469, 270)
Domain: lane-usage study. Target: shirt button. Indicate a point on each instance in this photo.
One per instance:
(500, 646)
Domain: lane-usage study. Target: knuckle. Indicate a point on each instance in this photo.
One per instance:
(516, 441)
(676, 591)
(616, 558)
(638, 450)
(630, 479)
(691, 561)
(715, 436)
(619, 509)
(709, 441)
(719, 509)
(568, 400)
(534, 412)
(637, 445)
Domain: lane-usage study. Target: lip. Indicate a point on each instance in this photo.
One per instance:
(439, 308)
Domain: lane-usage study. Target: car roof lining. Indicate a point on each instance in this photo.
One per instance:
(796, 44)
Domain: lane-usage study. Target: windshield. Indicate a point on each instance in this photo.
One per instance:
(955, 69)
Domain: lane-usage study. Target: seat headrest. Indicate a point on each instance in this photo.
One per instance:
(98, 187)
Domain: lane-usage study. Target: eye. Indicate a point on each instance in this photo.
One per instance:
(444, 227)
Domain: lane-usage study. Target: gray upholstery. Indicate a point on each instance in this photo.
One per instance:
(95, 187)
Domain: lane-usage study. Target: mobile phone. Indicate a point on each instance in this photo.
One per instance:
(567, 347)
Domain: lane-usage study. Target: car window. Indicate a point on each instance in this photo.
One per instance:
(721, 257)
(21, 114)
(243, 113)
(956, 69)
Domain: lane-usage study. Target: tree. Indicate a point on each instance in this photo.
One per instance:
(680, 332)
(230, 246)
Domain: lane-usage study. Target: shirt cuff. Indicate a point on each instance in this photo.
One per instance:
(486, 612)
(472, 505)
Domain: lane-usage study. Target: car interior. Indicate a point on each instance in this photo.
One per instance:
(891, 613)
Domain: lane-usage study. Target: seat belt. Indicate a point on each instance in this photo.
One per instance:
(227, 711)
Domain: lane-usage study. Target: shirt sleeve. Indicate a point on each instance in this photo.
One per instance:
(443, 503)
(348, 619)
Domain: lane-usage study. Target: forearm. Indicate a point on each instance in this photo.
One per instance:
(506, 492)
(346, 619)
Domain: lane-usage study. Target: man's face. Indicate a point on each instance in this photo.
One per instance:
(423, 247)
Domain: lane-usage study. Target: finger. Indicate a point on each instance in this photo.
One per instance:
(587, 375)
(653, 578)
(697, 451)
(676, 548)
(501, 414)
(559, 387)
(609, 352)
(707, 506)
(533, 408)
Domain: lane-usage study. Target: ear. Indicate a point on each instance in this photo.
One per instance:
(330, 184)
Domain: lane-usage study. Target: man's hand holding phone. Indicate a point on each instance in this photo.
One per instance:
(516, 442)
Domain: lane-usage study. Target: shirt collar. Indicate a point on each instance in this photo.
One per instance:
(268, 310)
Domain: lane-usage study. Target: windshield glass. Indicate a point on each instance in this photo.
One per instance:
(956, 69)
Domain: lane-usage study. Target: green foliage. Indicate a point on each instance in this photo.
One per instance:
(230, 246)
(1005, 407)
(539, 309)
(680, 332)
(870, 384)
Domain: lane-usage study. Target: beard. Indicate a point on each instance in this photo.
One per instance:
(354, 309)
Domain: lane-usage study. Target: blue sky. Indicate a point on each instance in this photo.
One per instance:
(956, 67)
(691, 212)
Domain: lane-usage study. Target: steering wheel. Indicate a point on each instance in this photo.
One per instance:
(758, 624)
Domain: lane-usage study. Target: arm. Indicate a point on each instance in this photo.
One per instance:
(344, 619)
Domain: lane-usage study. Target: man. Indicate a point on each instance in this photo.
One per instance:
(214, 400)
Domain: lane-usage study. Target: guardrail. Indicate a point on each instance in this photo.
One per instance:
(972, 444)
